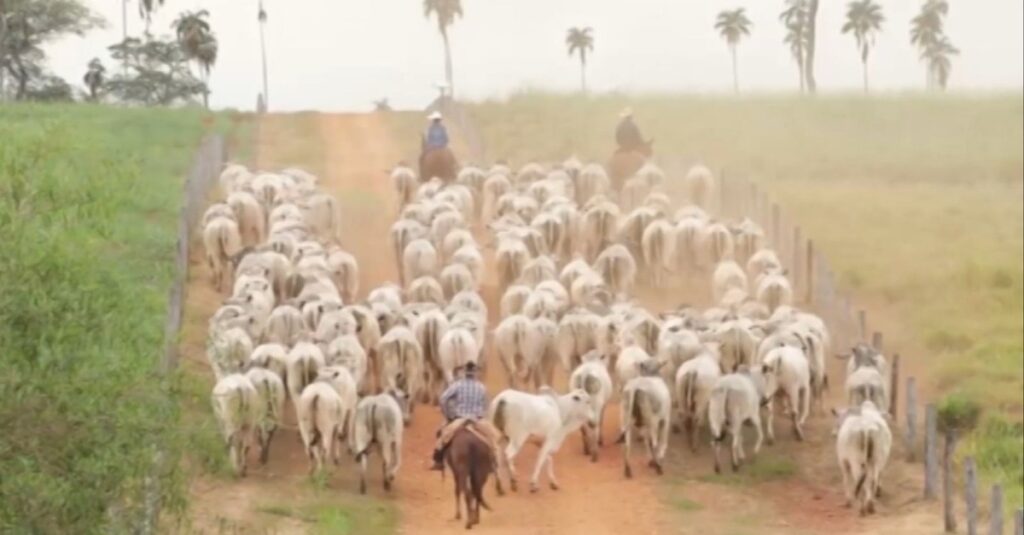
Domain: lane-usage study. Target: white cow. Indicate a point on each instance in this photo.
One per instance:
(378, 421)
(646, 406)
(592, 377)
(735, 400)
(694, 380)
(271, 394)
(787, 371)
(236, 406)
(863, 443)
(547, 416)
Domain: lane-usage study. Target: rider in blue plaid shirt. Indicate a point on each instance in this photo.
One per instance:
(463, 402)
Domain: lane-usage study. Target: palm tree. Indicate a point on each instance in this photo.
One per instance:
(794, 18)
(198, 42)
(733, 25)
(94, 78)
(146, 9)
(263, 53)
(581, 41)
(926, 32)
(864, 19)
(937, 54)
(446, 12)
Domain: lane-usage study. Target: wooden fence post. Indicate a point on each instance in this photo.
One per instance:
(876, 341)
(931, 462)
(971, 495)
(948, 507)
(776, 228)
(894, 394)
(911, 425)
(809, 275)
(996, 511)
(862, 321)
(1018, 522)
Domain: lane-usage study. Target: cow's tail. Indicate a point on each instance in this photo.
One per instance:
(372, 423)
(315, 437)
(690, 392)
(718, 413)
(867, 448)
(498, 418)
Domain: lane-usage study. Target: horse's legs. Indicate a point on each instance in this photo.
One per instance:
(457, 476)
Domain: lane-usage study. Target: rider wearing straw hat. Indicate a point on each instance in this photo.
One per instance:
(437, 135)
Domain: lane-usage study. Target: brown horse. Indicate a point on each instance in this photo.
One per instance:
(471, 461)
(438, 163)
(625, 163)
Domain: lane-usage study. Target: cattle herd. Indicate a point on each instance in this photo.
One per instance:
(564, 253)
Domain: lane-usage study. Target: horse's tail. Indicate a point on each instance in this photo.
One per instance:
(498, 418)
(477, 473)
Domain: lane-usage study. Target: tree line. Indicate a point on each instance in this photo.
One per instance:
(159, 70)
(153, 70)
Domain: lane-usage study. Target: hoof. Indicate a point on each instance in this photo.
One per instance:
(514, 486)
(628, 472)
(553, 485)
(533, 488)
(718, 469)
(735, 467)
(362, 488)
(593, 458)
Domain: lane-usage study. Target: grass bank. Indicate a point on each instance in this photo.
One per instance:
(89, 198)
(916, 201)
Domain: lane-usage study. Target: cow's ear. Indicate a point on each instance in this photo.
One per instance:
(766, 369)
(575, 397)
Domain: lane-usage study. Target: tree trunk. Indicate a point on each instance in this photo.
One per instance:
(812, 17)
(865, 65)
(448, 64)
(947, 482)
(263, 54)
(735, 71)
(583, 72)
(3, 31)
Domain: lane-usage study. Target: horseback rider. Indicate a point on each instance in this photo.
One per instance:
(627, 134)
(437, 134)
(464, 403)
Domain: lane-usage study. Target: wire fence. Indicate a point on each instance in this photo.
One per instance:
(206, 166)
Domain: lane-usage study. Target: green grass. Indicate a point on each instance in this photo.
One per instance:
(340, 515)
(916, 201)
(89, 198)
(767, 466)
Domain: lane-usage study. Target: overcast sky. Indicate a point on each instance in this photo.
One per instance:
(342, 55)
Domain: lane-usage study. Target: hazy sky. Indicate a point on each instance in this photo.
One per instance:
(342, 55)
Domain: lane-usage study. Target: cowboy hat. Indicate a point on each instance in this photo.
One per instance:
(434, 116)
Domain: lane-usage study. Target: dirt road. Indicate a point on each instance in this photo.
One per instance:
(351, 153)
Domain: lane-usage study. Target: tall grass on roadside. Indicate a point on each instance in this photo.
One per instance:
(88, 204)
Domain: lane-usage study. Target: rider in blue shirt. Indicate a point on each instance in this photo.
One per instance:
(437, 135)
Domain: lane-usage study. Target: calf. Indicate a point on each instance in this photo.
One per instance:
(546, 415)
